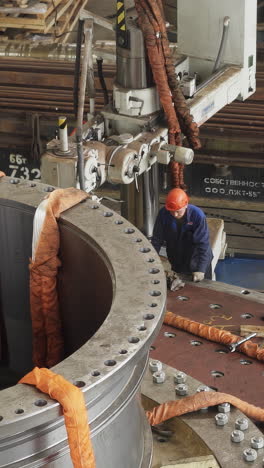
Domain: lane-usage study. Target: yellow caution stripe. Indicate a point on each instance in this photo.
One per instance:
(62, 122)
(121, 20)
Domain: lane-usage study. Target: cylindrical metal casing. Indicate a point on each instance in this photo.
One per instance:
(133, 71)
(106, 289)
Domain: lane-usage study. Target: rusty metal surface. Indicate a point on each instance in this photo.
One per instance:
(210, 362)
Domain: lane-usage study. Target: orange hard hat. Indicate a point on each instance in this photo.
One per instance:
(176, 199)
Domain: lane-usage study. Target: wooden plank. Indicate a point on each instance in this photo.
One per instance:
(237, 229)
(247, 329)
(245, 243)
(207, 461)
(71, 27)
(50, 20)
(251, 217)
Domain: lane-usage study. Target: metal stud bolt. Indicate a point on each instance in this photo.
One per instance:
(237, 436)
(257, 442)
(250, 454)
(180, 377)
(224, 408)
(155, 365)
(181, 389)
(159, 377)
(221, 419)
(241, 424)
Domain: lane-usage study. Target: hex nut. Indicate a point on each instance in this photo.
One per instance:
(159, 377)
(250, 454)
(203, 388)
(181, 389)
(237, 436)
(241, 424)
(155, 365)
(180, 377)
(224, 408)
(257, 442)
(221, 419)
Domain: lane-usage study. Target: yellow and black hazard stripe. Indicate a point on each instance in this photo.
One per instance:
(62, 122)
(122, 33)
(120, 16)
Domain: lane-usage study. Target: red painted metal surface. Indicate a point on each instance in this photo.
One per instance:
(200, 358)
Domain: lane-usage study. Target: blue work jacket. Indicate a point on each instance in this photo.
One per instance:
(188, 247)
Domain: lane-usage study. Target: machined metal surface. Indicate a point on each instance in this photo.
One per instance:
(203, 436)
(226, 307)
(112, 295)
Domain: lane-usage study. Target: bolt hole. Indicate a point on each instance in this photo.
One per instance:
(245, 291)
(142, 328)
(145, 250)
(151, 260)
(119, 221)
(221, 351)
(138, 240)
(95, 207)
(107, 214)
(110, 362)
(155, 281)
(162, 440)
(196, 343)
(153, 304)
(217, 374)
(33, 185)
(148, 316)
(246, 316)
(96, 373)
(1, 418)
(79, 383)
(19, 411)
(169, 335)
(152, 348)
(245, 362)
(154, 271)
(129, 231)
(41, 402)
(133, 339)
(123, 351)
(14, 181)
(215, 306)
(49, 189)
(183, 298)
(155, 293)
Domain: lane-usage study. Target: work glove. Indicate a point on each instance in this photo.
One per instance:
(198, 276)
(174, 282)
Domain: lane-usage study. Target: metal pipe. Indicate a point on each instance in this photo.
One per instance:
(222, 44)
(88, 28)
(63, 135)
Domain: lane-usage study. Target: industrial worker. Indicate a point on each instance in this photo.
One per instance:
(183, 228)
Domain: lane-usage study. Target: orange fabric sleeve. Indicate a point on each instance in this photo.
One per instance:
(75, 414)
(213, 334)
(46, 323)
(201, 400)
(2, 174)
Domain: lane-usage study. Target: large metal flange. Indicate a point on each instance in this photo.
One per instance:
(112, 294)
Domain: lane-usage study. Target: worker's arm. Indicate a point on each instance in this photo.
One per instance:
(202, 249)
(158, 233)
